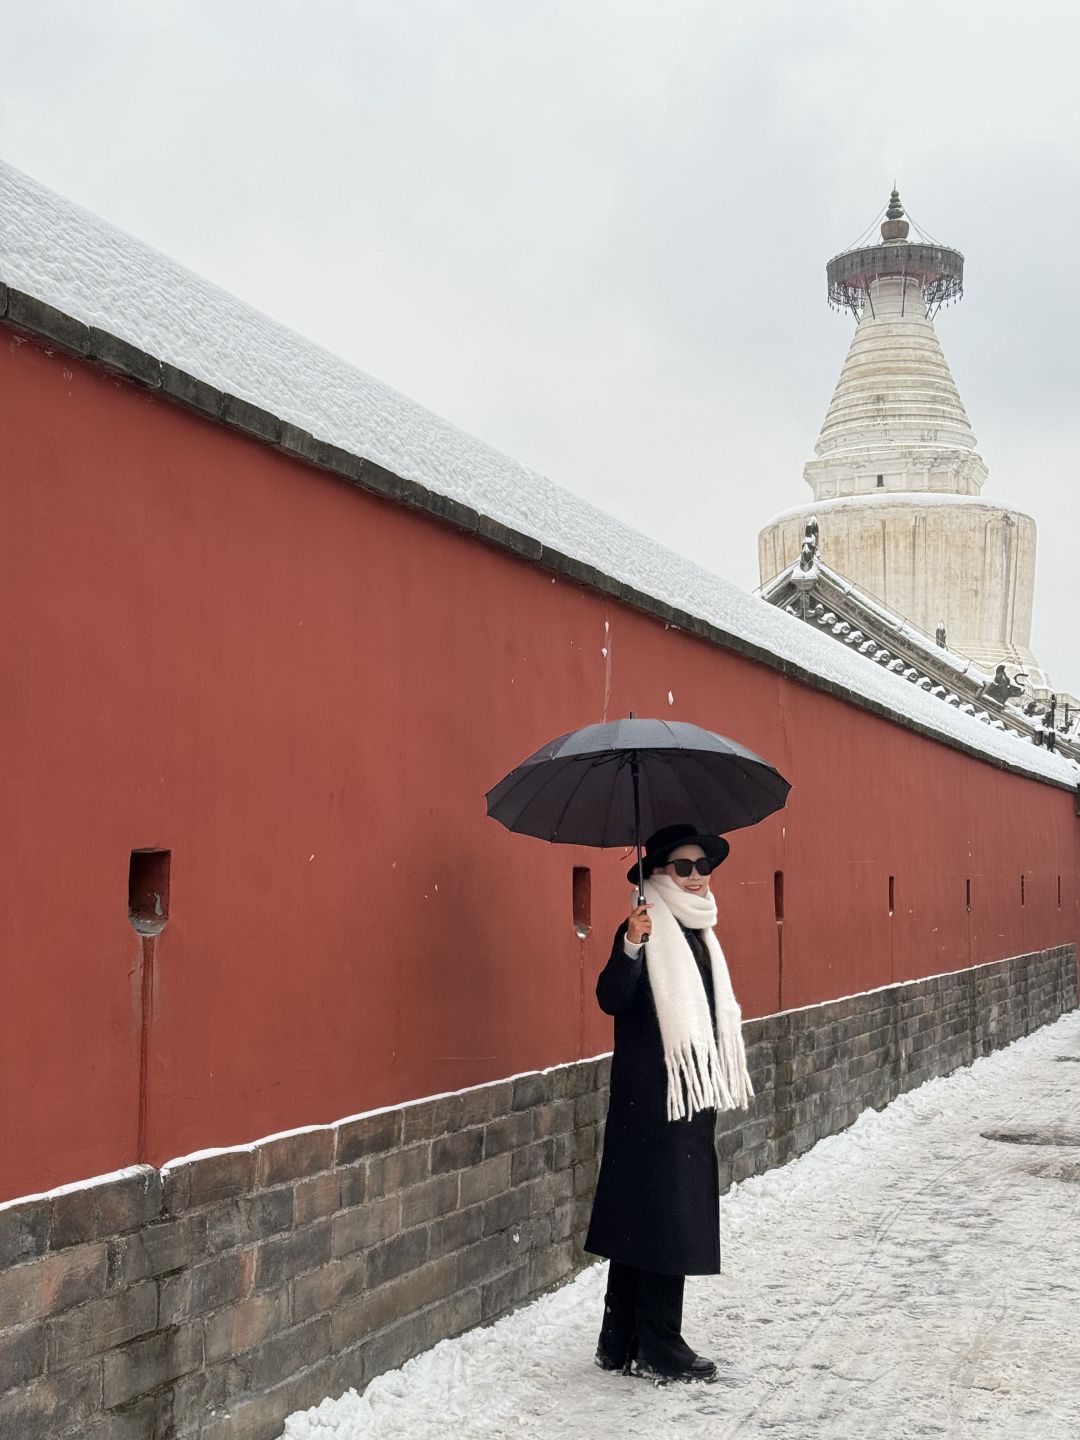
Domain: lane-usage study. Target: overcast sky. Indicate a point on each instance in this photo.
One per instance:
(594, 232)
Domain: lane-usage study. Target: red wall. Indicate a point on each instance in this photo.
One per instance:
(303, 692)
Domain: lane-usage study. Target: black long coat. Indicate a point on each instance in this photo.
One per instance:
(657, 1203)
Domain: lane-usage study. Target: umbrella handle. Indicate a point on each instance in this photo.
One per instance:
(637, 834)
(641, 901)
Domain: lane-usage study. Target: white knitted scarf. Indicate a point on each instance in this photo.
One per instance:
(704, 1070)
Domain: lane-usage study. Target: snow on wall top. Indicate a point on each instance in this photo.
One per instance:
(905, 499)
(62, 255)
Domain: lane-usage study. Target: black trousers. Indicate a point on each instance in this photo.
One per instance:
(643, 1319)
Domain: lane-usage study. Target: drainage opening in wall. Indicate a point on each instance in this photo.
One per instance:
(582, 901)
(148, 891)
(148, 914)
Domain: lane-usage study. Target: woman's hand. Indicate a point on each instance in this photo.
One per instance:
(639, 924)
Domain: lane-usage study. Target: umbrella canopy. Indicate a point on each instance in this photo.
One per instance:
(581, 788)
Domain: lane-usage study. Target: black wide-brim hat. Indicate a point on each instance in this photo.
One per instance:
(661, 843)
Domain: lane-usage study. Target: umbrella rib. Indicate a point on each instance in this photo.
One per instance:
(645, 800)
(562, 812)
(751, 778)
(692, 803)
(612, 796)
(530, 796)
(730, 799)
(519, 779)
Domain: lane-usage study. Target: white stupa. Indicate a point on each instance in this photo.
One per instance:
(897, 481)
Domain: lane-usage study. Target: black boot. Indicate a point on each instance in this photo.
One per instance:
(698, 1368)
(606, 1361)
(663, 1354)
(617, 1345)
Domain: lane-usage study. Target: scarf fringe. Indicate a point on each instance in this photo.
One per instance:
(704, 1078)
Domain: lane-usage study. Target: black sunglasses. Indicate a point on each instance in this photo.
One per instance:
(683, 868)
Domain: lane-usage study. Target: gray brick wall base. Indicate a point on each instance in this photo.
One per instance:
(214, 1297)
(815, 1070)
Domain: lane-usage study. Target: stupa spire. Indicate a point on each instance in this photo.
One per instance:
(896, 420)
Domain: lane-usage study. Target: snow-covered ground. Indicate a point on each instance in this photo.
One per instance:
(907, 1278)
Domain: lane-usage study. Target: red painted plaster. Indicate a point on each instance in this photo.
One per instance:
(303, 691)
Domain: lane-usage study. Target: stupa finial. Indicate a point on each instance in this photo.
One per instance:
(894, 227)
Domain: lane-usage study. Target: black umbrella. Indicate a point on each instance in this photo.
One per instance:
(610, 784)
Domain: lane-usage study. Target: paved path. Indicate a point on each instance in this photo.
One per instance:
(907, 1278)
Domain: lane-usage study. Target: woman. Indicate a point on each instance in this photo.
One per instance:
(678, 1058)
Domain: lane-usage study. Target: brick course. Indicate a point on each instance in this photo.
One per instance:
(815, 1070)
(213, 1298)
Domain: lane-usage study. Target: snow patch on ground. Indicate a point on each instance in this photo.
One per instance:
(905, 1278)
(61, 254)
